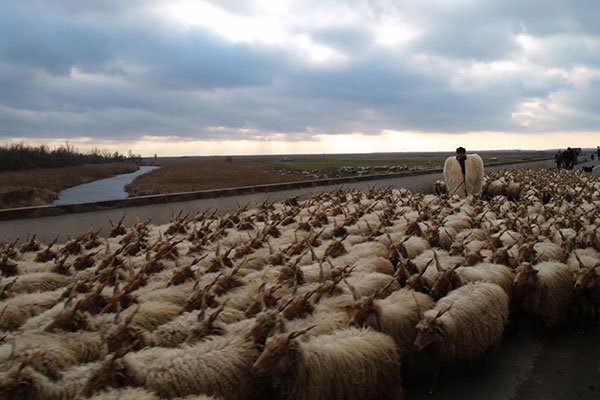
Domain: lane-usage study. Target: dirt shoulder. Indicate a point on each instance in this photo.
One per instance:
(41, 186)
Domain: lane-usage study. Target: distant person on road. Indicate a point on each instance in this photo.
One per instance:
(566, 158)
(572, 158)
(598, 152)
(463, 173)
(558, 159)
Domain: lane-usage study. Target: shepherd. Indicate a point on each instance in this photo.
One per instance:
(463, 174)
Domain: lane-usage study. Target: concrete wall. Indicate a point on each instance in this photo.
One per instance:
(51, 221)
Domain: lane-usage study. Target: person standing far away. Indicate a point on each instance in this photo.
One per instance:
(463, 174)
(598, 151)
(558, 159)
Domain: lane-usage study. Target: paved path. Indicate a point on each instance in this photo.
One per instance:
(563, 366)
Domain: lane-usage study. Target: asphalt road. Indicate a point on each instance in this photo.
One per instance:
(558, 366)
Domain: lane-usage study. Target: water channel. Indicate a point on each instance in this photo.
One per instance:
(112, 188)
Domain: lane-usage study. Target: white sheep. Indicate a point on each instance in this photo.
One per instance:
(15, 311)
(451, 278)
(464, 324)
(220, 366)
(347, 364)
(39, 282)
(545, 290)
(396, 315)
(24, 382)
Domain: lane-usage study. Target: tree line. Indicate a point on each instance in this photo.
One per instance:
(19, 156)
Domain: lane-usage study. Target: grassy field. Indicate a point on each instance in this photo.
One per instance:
(41, 186)
(197, 174)
(329, 164)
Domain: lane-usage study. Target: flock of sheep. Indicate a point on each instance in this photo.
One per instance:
(325, 298)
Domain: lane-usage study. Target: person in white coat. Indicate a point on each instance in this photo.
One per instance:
(463, 173)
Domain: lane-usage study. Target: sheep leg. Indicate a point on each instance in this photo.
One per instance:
(486, 357)
(471, 368)
(436, 375)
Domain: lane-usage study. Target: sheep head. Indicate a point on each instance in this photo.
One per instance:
(444, 282)
(8, 267)
(20, 382)
(31, 245)
(275, 358)
(363, 313)
(265, 325)
(586, 277)
(525, 278)
(430, 330)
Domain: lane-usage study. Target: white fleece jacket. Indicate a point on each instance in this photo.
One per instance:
(468, 184)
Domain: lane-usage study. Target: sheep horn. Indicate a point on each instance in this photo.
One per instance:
(352, 290)
(295, 334)
(443, 310)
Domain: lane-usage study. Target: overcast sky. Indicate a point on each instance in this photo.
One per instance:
(278, 76)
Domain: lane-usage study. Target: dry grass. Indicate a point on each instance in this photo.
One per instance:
(193, 175)
(41, 186)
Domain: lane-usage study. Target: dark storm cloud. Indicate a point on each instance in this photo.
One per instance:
(119, 69)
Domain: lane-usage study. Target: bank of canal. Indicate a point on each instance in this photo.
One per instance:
(112, 188)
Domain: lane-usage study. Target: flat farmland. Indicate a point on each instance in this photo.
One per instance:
(193, 175)
(206, 173)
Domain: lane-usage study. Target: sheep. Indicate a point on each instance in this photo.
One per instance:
(130, 394)
(449, 326)
(323, 320)
(462, 185)
(544, 290)
(40, 282)
(396, 315)
(220, 366)
(349, 363)
(24, 382)
(367, 284)
(52, 353)
(450, 279)
(151, 314)
(18, 309)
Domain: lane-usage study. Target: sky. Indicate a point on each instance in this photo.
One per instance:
(186, 77)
